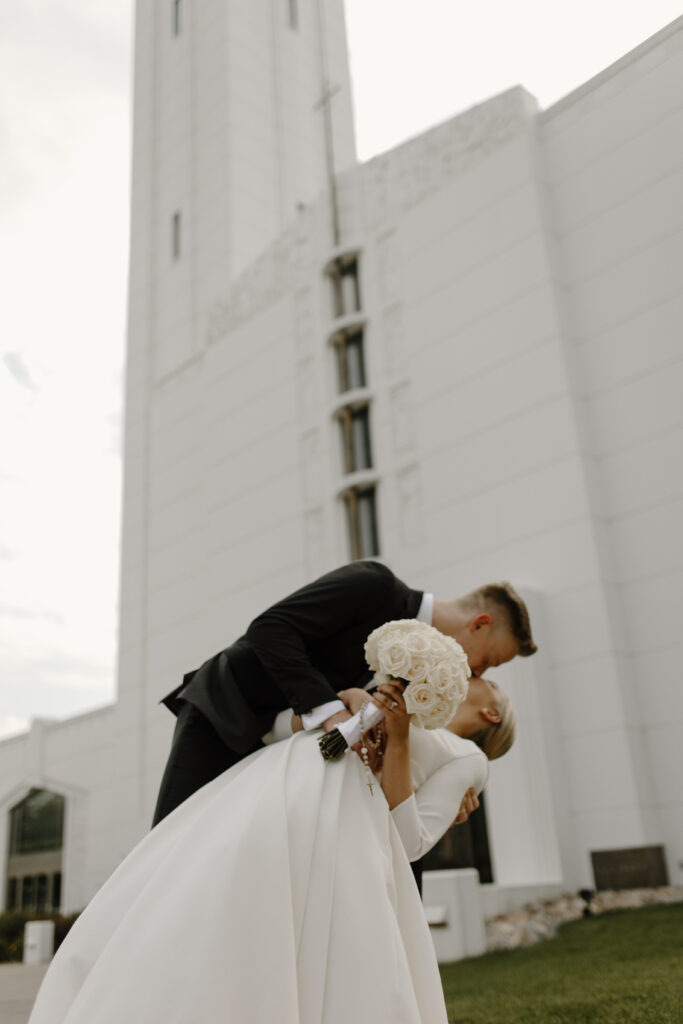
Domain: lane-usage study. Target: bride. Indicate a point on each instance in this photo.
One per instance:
(281, 892)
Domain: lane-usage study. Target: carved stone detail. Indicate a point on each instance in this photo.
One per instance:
(275, 273)
(398, 179)
(388, 184)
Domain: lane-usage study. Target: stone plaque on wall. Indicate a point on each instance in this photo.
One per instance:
(636, 868)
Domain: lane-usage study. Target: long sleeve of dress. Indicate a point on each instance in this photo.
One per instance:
(423, 818)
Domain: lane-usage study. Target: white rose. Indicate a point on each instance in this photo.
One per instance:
(441, 714)
(418, 643)
(439, 649)
(442, 676)
(408, 625)
(371, 646)
(393, 656)
(419, 670)
(457, 657)
(419, 698)
(435, 666)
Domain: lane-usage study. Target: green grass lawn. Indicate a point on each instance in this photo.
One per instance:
(625, 967)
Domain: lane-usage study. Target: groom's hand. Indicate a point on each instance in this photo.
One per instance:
(333, 720)
(354, 698)
(468, 805)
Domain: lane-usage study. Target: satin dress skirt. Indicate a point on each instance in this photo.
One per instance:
(280, 893)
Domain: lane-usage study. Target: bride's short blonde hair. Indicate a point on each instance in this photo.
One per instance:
(497, 738)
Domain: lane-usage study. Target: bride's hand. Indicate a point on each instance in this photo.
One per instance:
(389, 697)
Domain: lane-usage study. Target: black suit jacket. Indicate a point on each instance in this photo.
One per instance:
(299, 653)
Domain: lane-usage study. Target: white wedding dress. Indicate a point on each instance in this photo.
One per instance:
(280, 893)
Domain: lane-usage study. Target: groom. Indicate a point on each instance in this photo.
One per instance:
(304, 650)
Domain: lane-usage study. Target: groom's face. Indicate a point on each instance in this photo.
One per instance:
(488, 644)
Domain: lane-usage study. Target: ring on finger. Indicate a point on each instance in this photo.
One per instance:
(394, 704)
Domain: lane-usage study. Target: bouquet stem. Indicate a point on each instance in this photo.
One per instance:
(338, 740)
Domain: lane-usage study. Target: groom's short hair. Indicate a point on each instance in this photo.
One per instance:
(505, 597)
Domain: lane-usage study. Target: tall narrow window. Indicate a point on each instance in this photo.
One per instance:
(177, 16)
(350, 362)
(346, 287)
(175, 236)
(41, 894)
(361, 517)
(350, 288)
(28, 893)
(36, 835)
(293, 6)
(355, 434)
(12, 894)
(57, 890)
(37, 823)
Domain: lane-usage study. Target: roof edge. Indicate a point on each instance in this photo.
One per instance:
(652, 43)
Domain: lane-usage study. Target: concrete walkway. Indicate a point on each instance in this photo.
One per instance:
(18, 989)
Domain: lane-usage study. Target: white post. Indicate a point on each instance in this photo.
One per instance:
(454, 912)
(39, 941)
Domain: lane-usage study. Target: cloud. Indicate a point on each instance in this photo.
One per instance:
(53, 686)
(19, 370)
(65, 154)
(114, 424)
(67, 42)
(75, 671)
(12, 725)
(32, 614)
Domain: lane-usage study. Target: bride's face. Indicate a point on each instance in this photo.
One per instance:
(477, 710)
(481, 693)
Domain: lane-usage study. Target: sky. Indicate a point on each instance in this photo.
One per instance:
(65, 104)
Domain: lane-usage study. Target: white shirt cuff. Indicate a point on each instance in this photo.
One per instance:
(316, 716)
(425, 612)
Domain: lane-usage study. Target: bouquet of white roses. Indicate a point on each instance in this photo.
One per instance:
(432, 666)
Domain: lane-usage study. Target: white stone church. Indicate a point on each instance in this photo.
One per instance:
(463, 357)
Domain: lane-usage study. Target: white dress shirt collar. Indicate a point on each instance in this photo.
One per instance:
(425, 612)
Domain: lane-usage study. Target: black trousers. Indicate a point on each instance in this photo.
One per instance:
(198, 755)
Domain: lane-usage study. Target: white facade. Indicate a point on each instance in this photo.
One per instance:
(520, 301)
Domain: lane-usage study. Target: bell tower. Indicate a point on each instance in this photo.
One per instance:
(238, 106)
(242, 116)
